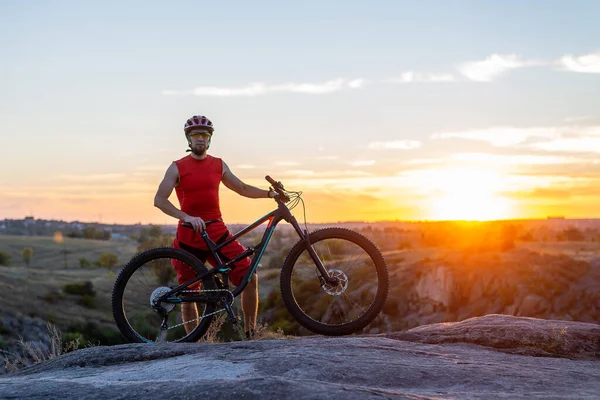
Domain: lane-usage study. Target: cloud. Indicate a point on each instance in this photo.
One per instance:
(260, 89)
(571, 145)
(494, 160)
(245, 166)
(411, 76)
(298, 172)
(493, 66)
(363, 163)
(328, 157)
(93, 177)
(357, 83)
(423, 161)
(501, 136)
(151, 168)
(570, 139)
(578, 119)
(589, 63)
(344, 174)
(395, 144)
(287, 163)
(510, 159)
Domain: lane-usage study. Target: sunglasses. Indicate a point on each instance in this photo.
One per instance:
(197, 135)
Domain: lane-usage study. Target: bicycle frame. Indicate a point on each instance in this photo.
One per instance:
(274, 217)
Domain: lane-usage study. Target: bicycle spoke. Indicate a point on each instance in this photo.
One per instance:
(147, 282)
(341, 303)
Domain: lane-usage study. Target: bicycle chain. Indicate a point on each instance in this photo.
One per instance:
(205, 315)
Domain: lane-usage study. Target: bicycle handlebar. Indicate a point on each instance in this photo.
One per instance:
(278, 187)
(272, 182)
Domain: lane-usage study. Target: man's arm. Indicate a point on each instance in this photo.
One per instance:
(234, 183)
(161, 199)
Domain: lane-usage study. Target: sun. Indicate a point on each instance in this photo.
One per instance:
(470, 194)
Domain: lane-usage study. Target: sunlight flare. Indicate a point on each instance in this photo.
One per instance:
(468, 194)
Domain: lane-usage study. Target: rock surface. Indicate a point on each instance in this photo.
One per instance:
(15, 327)
(395, 366)
(519, 335)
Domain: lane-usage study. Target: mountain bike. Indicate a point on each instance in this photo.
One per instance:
(334, 281)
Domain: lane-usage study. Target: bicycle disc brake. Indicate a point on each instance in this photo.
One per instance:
(340, 286)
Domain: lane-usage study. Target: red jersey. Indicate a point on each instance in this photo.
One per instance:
(198, 194)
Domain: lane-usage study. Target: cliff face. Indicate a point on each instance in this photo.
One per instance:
(489, 357)
(520, 282)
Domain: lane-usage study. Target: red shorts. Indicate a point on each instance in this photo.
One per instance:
(232, 250)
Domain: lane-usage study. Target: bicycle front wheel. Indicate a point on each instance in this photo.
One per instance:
(347, 306)
(145, 278)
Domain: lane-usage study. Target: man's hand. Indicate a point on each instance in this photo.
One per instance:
(197, 223)
(284, 198)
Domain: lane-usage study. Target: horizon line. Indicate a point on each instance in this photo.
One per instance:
(381, 221)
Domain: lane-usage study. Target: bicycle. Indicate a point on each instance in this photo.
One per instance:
(315, 281)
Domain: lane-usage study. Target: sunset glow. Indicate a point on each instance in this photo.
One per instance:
(476, 112)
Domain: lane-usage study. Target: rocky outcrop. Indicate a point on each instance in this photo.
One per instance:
(518, 335)
(432, 362)
(461, 285)
(15, 327)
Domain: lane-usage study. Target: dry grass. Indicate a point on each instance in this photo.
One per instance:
(262, 332)
(212, 334)
(33, 352)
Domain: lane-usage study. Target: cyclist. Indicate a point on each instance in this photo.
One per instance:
(196, 179)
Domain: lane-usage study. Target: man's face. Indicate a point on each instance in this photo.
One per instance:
(199, 140)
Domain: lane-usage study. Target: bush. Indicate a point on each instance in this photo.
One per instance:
(84, 263)
(80, 289)
(108, 260)
(88, 301)
(5, 258)
(91, 232)
(53, 297)
(4, 330)
(92, 333)
(571, 235)
(404, 244)
(163, 272)
(51, 318)
(27, 255)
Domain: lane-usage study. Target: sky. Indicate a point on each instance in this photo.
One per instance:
(375, 110)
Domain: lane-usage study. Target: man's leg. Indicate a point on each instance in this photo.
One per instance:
(189, 312)
(250, 304)
(250, 294)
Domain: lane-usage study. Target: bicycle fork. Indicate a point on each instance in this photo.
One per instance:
(313, 254)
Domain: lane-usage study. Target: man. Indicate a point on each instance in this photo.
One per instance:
(196, 180)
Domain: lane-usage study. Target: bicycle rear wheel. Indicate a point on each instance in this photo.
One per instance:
(347, 306)
(146, 277)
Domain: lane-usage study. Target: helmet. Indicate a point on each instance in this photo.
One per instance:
(198, 121)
